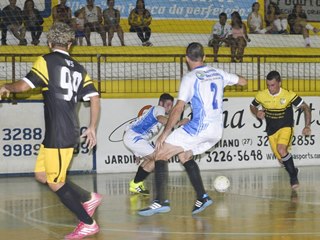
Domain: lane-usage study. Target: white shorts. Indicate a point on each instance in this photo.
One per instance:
(198, 144)
(139, 146)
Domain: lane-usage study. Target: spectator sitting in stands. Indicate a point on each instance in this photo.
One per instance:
(298, 24)
(220, 34)
(139, 20)
(275, 20)
(239, 38)
(255, 23)
(111, 18)
(93, 21)
(62, 13)
(33, 21)
(12, 20)
(78, 26)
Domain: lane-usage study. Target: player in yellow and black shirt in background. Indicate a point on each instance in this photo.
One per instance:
(275, 106)
(64, 82)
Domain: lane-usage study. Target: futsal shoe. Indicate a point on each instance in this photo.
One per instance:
(138, 188)
(83, 230)
(154, 208)
(91, 205)
(202, 204)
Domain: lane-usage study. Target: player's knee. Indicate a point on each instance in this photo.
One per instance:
(149, 167)
(159, 157)
(282, 151)
(40, 177)
(185, 157)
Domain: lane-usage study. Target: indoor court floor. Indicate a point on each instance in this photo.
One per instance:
(258, 205)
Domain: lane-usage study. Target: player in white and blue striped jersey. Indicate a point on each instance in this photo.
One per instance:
(138, 139)
(203, 88)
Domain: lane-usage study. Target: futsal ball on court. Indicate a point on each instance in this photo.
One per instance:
(221, 184)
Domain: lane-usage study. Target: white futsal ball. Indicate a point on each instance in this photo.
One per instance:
(221, 183)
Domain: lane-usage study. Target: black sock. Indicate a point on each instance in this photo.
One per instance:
(161, 180)
(68, 198)
(195, 178)
(141, 175)
(289, 166)
(81, 193)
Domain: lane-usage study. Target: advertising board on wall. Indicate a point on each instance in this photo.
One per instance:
(244, 143)
(21, 133)
(179, 9)
(160, 9)
(185, 9)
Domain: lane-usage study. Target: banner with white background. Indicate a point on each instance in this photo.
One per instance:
(244, 143)
(21, 133)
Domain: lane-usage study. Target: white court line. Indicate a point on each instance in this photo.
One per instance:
(26, 220)
(29, 217)
(152, 231)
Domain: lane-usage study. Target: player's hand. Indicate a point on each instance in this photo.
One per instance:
(90, 135)
(183, 122)
(261, 114)
(160, 141)
(4, 91)
(306, 131)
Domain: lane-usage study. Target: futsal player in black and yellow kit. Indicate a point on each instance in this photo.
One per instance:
(64, 82)
(275, 104)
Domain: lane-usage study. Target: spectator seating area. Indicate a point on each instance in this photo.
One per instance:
(179, 39)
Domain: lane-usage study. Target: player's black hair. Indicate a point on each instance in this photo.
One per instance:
(274, 75)
(165, 96)
(195, 52)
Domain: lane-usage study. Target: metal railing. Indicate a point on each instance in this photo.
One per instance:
(121, 74)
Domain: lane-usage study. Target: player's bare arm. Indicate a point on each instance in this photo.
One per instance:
(258, 113)
(90, 133)
(307, 118)
(172, 121)
(19, 86)
(183, 122)
(242, 81)
(162, 119)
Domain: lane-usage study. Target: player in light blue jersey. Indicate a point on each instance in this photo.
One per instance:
(138, 135)
(203, 88)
